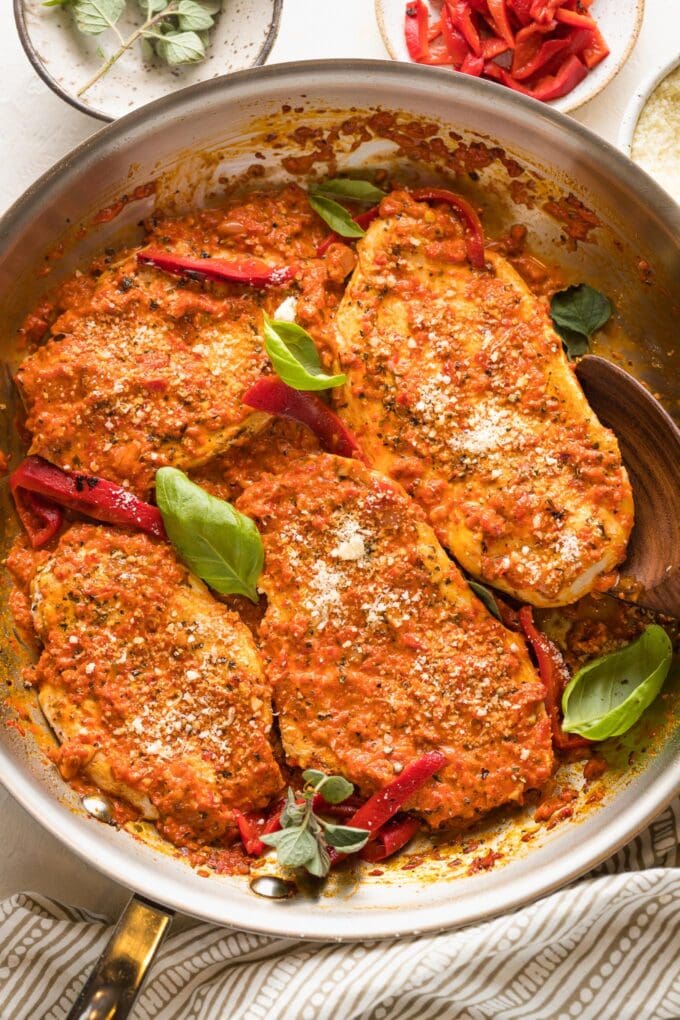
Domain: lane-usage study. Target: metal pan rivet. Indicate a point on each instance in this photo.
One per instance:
(272, 887)
(99, 807)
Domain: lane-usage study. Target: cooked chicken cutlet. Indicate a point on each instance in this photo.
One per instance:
(141, 369)
(135, 379)
(270, 451)
(379, 652)
(153, 688)
(459, 388)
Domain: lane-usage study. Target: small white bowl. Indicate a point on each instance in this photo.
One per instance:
(618, 20)
(638, 101)
(243, 35)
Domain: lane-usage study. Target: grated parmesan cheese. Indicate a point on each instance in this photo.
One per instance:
(287, 310)
(326, 584)
(487, 429)
(350, 540)
(656, 142)
(568, 546)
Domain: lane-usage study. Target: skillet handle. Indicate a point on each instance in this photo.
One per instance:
(111, 989)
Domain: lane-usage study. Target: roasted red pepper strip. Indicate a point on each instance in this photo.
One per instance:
(497, 73)
(555, 676)
(560, 84)
(544, 10)
(434, 31)
(544, 52)
(346, 809)
(475, 232)
(274, 396)
(361, 219)
(416, 30)
(552, 86)
(499, 16)
(249, 832)
(87, 494)
(463, 20)
(595, 51)
(40, 518)
(521, 9)
(493, 47)
(457, 48)
(252, 272)
(384, 804)
(439, 56)
(391, 838)
(573, 18)
(472, 65)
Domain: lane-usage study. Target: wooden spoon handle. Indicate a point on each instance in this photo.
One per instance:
(650, 446)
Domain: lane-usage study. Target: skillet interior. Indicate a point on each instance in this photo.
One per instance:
(195, 144)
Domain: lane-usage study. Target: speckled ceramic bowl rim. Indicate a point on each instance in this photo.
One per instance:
(638, 101)
(33, 56)
(567, 107)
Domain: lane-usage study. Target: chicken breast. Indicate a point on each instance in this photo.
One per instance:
(141, 374)
(154, 689)
(270, 451)
(459, 388)
(140, 369)
(379, 652)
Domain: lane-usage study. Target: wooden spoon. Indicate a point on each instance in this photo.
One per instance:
(650, 446)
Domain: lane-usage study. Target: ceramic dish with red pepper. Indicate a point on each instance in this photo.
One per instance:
(561, 52)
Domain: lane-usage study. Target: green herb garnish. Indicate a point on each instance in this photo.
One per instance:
(174, 31)
(338, 219)
(485, 595)
(304, 837)
(577, 313)
(295, 358)
(354, 191)
(607, 696)
(220, 545)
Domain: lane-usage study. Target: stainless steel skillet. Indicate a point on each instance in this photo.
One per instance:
(523, 162)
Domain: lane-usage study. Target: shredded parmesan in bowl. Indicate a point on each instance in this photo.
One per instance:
(656, 141)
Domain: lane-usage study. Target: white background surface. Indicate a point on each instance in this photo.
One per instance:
(36, 128)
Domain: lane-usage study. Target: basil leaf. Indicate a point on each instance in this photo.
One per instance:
(219, 544)
(181, 48)
(94, 16)
(193, 17)
(343, 187)
(337, 218)
(484, 595)
(295, 358)
(295, 847)
(345, 837)
(607, 696)
(577, 313)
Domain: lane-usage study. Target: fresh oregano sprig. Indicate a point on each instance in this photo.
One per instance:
(175, 31)
(304, 837)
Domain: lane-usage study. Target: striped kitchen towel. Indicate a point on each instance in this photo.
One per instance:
(606, 948)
